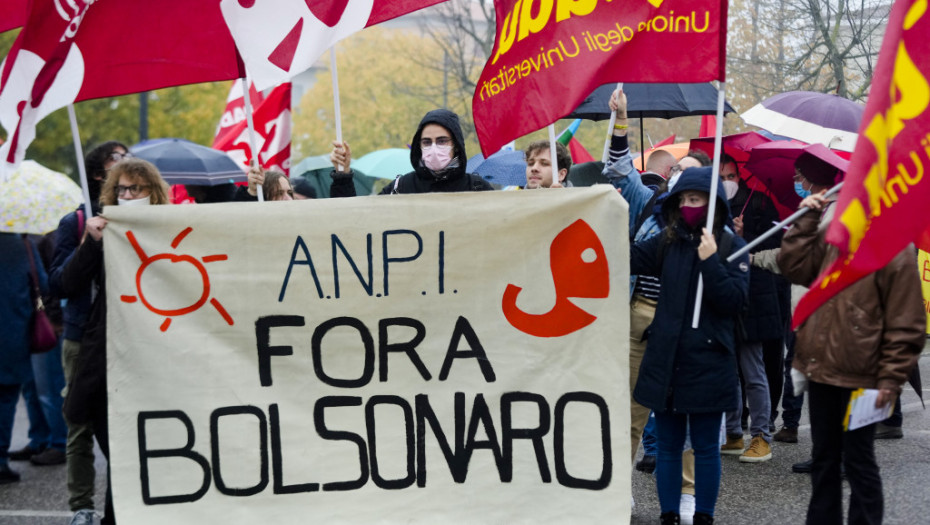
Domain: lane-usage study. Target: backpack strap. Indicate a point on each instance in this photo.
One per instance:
(80, 228)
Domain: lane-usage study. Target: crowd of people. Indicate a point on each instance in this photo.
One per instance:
(695, 389)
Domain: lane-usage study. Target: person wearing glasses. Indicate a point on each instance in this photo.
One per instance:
(131, 182)
(79, 450)
(437, 155)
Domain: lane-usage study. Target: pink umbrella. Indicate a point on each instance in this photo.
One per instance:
(773, 164)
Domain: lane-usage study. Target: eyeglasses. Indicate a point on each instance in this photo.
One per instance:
(132, 190)
(117, 156)
(440, 141)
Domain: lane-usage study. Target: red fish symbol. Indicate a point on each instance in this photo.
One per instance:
(579, 269)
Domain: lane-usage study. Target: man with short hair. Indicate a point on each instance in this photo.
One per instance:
(539, 165)
(660, 162)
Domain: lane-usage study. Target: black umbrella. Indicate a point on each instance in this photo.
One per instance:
(184, 162)
(653, 101)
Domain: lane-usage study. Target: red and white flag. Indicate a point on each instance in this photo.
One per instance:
(80, 50)
(13, 14)
(278, 40)
(550, 55)
(272, 119)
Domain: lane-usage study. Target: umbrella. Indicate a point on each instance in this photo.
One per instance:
(35, 198)
(504, 168)
(184, 162)
(653, 101)
(321, 179)
(809, 116)
(385, 163)
(773, 164)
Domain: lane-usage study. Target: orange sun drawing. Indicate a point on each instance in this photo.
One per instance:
(198, 265)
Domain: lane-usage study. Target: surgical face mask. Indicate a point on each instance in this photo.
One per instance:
(673, 181)
(144, 201)
(730, 187)
(437, 157)
(693, 215)
(799, 189)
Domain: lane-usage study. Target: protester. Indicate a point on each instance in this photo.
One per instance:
(762, 320)
(16, 307)
(274, 184)
(869, 335)
(437, 154)
(132, 182)
(303, 190)
(79, 451)
(48, 432)
(209, 194)
(645, 223)
(539, 165)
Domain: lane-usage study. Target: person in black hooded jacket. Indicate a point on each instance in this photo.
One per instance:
(688, 376)
(437, 154)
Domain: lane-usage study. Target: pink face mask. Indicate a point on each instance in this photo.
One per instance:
(693, 215)
(436, 157)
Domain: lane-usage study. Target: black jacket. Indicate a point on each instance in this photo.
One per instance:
(687, 370)
(421, 179)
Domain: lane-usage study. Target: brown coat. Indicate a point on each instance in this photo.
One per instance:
(869, 335)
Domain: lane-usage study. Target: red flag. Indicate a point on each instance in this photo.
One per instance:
(666, 141)
(281, 39)
(549, 56)
(708, 126)
(272, 120)
(72, 51)
(235, 109)
(578, 152)
(882, 206)
(13, 14)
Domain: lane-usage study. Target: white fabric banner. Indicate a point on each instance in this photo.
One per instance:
(445, 358)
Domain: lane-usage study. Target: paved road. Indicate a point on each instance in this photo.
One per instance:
(751, 494)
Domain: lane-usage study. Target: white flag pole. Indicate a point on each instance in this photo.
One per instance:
(82, 170)
(553, 154)
(337, 110)
(712, 205)
(253, 143)
(610, 131)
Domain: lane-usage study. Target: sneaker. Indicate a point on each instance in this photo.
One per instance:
(24, 453)
(647, 464)
(757, 452)
(803, 467)
(786, 435)
(8, 475)
(83, 517)
(733, 446)
(883, 431)
(686, 509)
(49, 456)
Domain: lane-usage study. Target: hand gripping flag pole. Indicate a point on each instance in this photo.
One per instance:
(610, 131)
(336, 107)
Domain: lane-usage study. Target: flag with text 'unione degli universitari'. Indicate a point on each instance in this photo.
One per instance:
(883, 204)
(550, 54)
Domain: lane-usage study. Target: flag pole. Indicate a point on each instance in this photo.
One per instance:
(79, 153)
(253, 143)
(553, 155)
(712, 205)
(337, 110)
(775, 229)
(610, 131)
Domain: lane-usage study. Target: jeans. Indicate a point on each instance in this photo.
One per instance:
(790, 403)
(650, 443)
(773, 356)
(47, 427)
(757, 393)
(671, 430)
(79, 452)
(9, 395)
(827, 405)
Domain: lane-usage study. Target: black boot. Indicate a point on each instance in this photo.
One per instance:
(703, 519)
(670, 518)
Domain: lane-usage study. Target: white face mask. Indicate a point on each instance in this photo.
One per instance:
(730, 187)
(143, 201)
(437, 157)
(674, 180)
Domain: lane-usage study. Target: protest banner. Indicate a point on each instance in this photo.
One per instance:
(548, 56)
(880, 209)
(450, 358)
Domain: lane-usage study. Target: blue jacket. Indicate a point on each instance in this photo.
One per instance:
(686, 370)
(74, 308)
(16, 307)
